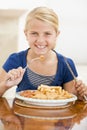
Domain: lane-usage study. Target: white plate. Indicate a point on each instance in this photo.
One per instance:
(42, 102)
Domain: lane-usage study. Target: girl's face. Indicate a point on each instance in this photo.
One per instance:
(41, 37)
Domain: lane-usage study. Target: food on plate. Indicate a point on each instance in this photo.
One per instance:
(47, 92)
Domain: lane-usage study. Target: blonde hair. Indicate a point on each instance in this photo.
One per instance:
(44, 14)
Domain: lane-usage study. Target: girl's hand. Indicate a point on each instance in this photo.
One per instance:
(81, 89)
(14, 77)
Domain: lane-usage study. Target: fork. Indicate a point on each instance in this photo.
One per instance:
(41, 58)
(69, 67)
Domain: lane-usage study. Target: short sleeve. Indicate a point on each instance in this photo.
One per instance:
(11, 62)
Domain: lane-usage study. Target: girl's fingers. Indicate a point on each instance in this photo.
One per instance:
(81, 88)
(15, 73)
(78, 83)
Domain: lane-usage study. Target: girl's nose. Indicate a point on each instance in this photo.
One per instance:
(40, 38)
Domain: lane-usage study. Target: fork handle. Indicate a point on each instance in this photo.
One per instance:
(69, 67)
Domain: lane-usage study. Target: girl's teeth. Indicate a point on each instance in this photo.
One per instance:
(41, 47)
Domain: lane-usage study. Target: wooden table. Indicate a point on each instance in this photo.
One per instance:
(15, 115)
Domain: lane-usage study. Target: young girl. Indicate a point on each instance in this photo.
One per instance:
(41, 31)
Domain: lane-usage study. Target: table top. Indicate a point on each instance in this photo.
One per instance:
(17, 115)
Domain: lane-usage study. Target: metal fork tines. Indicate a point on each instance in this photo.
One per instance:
(29, 62)
(41, 58)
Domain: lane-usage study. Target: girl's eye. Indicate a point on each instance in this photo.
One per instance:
(33, 33)
(47, 33)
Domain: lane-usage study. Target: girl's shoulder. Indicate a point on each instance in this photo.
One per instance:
(15, 60)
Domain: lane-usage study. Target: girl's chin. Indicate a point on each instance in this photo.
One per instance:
(41, 52)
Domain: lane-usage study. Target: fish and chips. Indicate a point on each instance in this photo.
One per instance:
(47, 93)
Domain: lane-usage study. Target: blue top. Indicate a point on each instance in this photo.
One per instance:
(62, 76)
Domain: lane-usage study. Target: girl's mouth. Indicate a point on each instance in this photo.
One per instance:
(41, 47)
